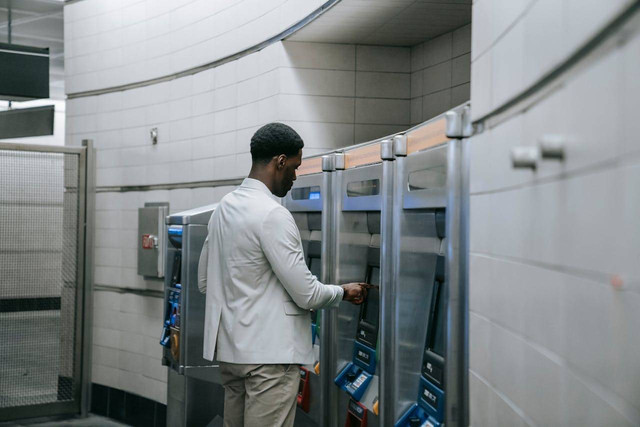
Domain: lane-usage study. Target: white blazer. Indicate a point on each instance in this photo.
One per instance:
(259, 289)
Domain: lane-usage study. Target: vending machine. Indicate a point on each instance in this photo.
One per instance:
(194, 393)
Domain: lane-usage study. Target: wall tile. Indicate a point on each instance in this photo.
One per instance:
(383, 85)
(438, 50)
(380, 58)
(319, 56)
(436, 103)
(308, 108)
(508, 65)
(461, 42)
(437, 78)
(461, 70)
(544, 39)
(460, 94)
(383, 111)
(317, 82)
(481, 86)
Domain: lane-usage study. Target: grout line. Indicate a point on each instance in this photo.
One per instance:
(523, 416)
(252, 49)
(596, 277)
(616, 33)
(629, 160)
(607, 395)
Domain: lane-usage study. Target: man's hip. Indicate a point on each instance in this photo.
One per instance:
(259, 395)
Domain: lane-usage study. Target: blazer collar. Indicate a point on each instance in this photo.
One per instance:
(256, 185)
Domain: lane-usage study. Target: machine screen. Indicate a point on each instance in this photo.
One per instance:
(372, 304)
(315, 266)
(306, 193)
(436, 338)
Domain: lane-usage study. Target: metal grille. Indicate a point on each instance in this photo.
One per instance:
(39, 207)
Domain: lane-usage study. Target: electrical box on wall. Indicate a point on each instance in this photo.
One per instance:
(151, 239)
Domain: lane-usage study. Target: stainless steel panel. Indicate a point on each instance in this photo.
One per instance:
(310, 220)
(194, 395)
(313, 205)
(417, 243)
(426, 160)
(388, 295)
(456, 374)
(328, 353)
(355, 221)
(361, 203)
(193, 302)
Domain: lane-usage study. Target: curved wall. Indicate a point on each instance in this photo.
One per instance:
(333, 95)
(554, 289)
(114, 43)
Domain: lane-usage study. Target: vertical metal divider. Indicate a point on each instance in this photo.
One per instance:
(388, 289)
(456, 272)
(328, 323)
(399, 185)
(88, 225)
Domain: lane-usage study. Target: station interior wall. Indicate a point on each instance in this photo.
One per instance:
(551, 341)
(334, 95)
(545, 245)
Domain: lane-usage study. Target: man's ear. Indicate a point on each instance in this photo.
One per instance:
(281, 161)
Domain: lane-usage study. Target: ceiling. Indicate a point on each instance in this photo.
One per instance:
(38, 23)
(386, 22)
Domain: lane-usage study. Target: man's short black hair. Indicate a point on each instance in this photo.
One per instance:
(272, 140)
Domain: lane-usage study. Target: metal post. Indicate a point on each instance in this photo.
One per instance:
(87, 282)
(388, 288)
(457, 360)
(328, 342)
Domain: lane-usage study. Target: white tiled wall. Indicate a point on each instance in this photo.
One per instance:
(440, 74)
(114, 42)
(552, 340)
(515, 43)
(333, 95)
(205, 121)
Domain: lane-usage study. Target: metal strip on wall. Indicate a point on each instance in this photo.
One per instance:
(255, 48)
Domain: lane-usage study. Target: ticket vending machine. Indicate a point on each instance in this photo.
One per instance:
(358, 192)
(429, 240)
(305, 202)
(194, 393)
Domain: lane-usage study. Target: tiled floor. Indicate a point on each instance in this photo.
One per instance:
(91, 421)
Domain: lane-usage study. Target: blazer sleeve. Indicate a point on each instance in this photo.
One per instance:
(203, 264)
(281, 244)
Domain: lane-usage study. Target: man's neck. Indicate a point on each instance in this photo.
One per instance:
(263, 176)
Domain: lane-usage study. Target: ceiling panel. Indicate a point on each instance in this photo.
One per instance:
(386, 22)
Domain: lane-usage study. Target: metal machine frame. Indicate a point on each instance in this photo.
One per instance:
(316, 171)
(192, 380)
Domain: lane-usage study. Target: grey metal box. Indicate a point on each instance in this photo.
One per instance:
(152, 239)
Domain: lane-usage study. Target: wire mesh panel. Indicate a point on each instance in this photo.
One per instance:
(39, 210)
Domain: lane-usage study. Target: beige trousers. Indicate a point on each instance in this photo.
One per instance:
(259, 395)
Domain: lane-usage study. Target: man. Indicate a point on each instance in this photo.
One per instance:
(259, 289)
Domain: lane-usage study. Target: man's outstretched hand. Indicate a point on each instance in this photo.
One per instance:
(355, 293)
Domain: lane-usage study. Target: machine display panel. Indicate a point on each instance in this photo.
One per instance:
(306, 193)
(371, 307)
(370, 187)
(436, 332)
(370, 310)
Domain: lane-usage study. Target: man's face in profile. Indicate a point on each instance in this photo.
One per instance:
(287, 174)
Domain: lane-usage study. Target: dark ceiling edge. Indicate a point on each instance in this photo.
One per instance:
(255, 48)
